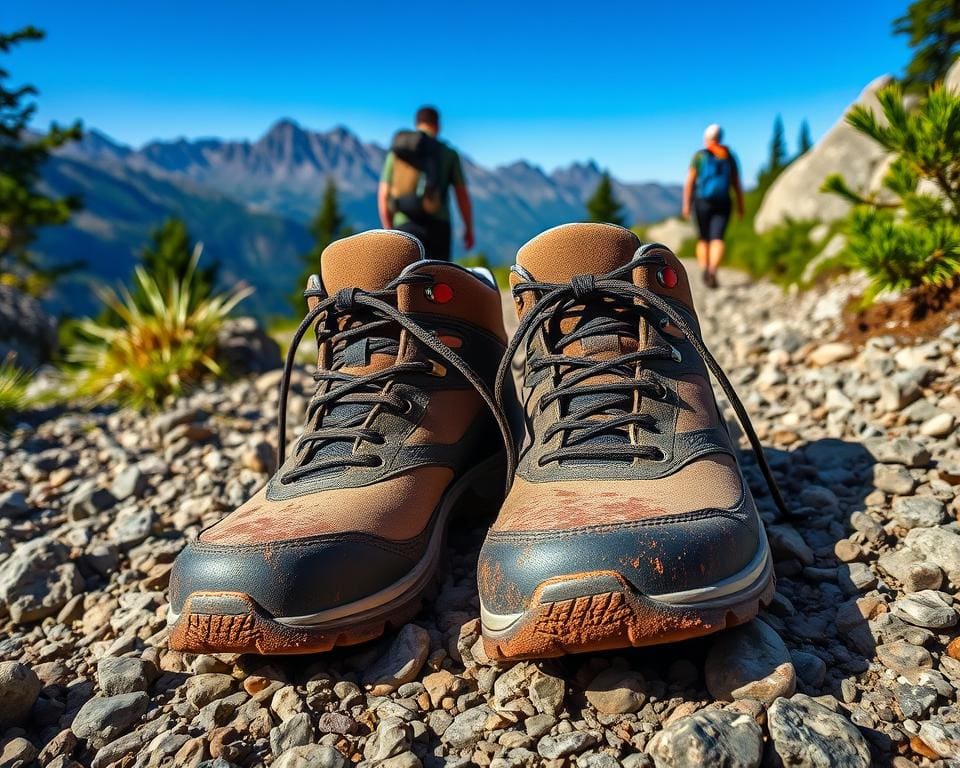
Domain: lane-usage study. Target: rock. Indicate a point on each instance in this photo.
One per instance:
(244, 347)
(311, 756)
(260, 457)
(940, 546)
(391, 738)
(565, 744)
(467, 728)
(440, 685)
(132, 526)
(13, 505)
(832, 352)
(124, 675)
(906, 566)
(200, 690)
(927, 608)
(808, 735)
(17, 752)
(943, 738)
(900, 655)
(893, 478)
(749, 661)
(811, 669)
(27, 332)
(19, 689)
(711, 737)
(546, 693)
(787, 542)
(36, 580)
(402, 662)
(129, 483)
(295, 732)
(336, 722)
(796, 192)
(617, 691)
(939, 426)
(918, 512)
(104, 718)
(672, 232)
(89, 499)
(898, 451)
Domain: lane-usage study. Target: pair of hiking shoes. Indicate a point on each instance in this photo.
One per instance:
(625, 517)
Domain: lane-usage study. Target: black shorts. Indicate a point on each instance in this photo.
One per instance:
(712, 218)
(435, 236)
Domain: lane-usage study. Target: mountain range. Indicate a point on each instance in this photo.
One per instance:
(250, 203)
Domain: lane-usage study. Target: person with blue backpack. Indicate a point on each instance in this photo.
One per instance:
(713, 173)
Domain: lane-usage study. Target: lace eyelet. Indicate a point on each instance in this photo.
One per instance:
(377, 461)
(405, 407)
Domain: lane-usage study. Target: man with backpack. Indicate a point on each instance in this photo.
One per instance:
(414, 186)
(713, 172)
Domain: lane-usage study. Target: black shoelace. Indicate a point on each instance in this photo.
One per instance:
(592, 417)
(371, 314)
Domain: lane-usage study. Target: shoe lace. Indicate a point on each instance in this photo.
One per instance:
(609, 405)
(370, 315)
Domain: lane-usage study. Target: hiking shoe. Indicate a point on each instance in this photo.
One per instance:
(629, 521)
(346, 536)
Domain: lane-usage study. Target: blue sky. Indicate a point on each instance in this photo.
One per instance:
(629, 84)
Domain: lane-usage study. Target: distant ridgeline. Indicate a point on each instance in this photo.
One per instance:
(249, 203)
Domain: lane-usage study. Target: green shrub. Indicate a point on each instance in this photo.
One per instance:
(165, 343)
(13, 392)
(908, 237)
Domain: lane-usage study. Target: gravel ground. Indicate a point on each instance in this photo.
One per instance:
(856, 662)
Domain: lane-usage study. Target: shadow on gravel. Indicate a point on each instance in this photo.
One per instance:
(815, 612)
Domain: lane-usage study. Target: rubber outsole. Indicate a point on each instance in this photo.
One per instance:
(608, 613)
(232, 622)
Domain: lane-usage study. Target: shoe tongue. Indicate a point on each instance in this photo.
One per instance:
(563, 252)
(368, 261)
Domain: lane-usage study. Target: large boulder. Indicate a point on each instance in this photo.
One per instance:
(672, 232)
(862, 162)
(952, 80)
(243, 346)
(27, 332)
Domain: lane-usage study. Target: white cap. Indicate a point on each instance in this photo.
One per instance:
(713, 133)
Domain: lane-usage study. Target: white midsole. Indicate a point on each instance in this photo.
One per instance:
(398, 588)
(702, 597)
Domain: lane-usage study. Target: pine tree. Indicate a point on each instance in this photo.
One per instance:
(933, 31)
(603, 205)
(326, 226)
(166, 259)
(23, 209)
(805, 141)
(778, 148)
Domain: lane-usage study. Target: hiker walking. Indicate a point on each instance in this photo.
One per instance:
(414, 186)
(713, 172)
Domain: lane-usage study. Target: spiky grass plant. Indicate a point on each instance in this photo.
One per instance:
(165, 343)
(13, 392)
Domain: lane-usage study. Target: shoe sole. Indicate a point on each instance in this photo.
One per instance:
(600, 610)
(233, 622)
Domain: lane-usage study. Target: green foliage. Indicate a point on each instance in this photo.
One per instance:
(908, 235)
(603, 205)
(933, 31)
(326, 226)
(805, 142)
(168, 257)
(13, 392)
(23, 209)
(159, 350)
(500, 273)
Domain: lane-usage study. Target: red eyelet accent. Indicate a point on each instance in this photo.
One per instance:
(668, 277)
(440, 293)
